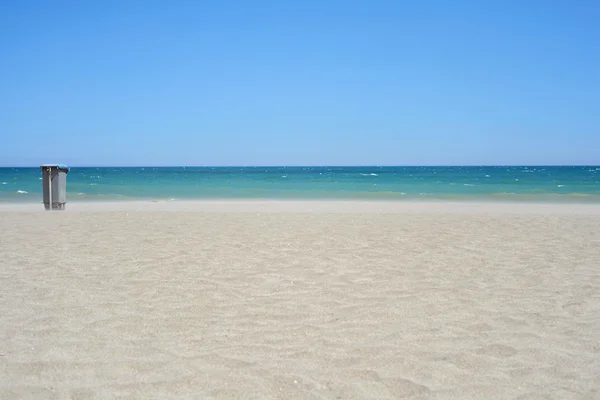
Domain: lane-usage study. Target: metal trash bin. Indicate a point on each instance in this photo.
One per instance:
(54, 186)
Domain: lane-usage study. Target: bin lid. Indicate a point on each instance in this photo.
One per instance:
(60, 167)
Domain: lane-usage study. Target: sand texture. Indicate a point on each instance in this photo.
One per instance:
(157, 303)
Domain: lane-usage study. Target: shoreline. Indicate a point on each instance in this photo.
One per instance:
(315, 206)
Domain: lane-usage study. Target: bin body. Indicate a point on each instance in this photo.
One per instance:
(54, 176)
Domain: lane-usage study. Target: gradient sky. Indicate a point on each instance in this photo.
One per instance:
(317, 82)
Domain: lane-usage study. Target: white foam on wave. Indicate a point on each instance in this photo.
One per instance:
(487, 176)
(560, 185)
(369, 174)
(468, 184)
(22, 191)
(5, 183)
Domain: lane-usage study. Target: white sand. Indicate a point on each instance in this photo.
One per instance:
(300, 300)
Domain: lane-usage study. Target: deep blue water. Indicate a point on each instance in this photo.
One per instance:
(573, 184)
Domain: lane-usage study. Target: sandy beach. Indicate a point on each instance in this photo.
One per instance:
(282, 300)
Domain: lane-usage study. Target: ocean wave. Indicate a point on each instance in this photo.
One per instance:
(22, 191)
(580, 195)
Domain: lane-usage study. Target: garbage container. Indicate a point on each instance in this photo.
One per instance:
(54, 186)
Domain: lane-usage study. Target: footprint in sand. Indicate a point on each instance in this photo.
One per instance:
(497, 350)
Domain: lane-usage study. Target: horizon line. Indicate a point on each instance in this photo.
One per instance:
(316, 166)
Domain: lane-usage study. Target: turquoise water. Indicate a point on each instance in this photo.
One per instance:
(571, 184)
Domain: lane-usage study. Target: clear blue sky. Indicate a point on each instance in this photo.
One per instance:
(317, 82)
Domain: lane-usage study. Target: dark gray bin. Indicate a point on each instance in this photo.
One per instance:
(54, 185)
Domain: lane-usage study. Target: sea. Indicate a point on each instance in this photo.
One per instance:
(578, 184)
